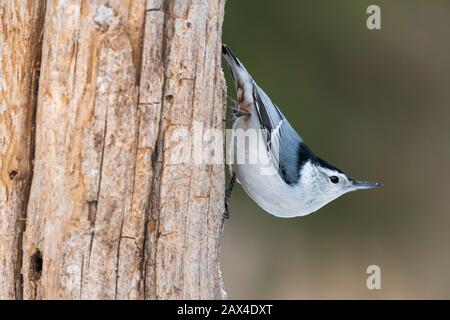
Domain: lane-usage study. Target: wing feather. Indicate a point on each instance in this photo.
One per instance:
(283, 142)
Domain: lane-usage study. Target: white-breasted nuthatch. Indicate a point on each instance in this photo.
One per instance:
(301, 182)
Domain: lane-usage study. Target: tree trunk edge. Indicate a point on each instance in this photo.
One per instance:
(148, 229)
(21, 39)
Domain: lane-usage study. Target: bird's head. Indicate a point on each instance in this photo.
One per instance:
(322, 183)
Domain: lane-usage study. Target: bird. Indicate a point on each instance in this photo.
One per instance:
(287, 179)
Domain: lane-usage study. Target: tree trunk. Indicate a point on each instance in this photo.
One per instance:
(110, 215)
(20, 33)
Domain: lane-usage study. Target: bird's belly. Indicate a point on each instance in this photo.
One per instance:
(259, 177)
(270, 192)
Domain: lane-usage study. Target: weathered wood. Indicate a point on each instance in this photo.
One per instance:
(110, 216)
(20, 34)
(186, 201)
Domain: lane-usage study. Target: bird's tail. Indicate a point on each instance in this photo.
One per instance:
(238, 71)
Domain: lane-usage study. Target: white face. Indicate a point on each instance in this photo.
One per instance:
(320, 185)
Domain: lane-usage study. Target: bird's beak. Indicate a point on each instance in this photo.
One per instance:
(360, 185)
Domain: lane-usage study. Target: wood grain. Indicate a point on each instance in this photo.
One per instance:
(109, 215)
(21, 24)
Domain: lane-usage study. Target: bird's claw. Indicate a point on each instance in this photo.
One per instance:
(239, 113)
(228, 192)
(236, 112)
(226, 213)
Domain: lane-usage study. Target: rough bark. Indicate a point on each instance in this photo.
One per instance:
(185, 213)
(20, 34)
(109, 215)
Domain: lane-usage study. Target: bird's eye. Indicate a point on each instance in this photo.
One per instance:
(334, 179)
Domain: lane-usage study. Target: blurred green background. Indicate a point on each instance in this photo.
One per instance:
(373, 103)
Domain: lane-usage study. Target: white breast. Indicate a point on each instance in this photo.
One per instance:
(261, 180)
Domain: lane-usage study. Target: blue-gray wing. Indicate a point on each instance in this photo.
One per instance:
(283, 142)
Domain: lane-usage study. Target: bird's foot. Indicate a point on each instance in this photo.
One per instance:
(239, 113)
(228, 192)
(226, 213)
(236, 114)
(235, 111)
